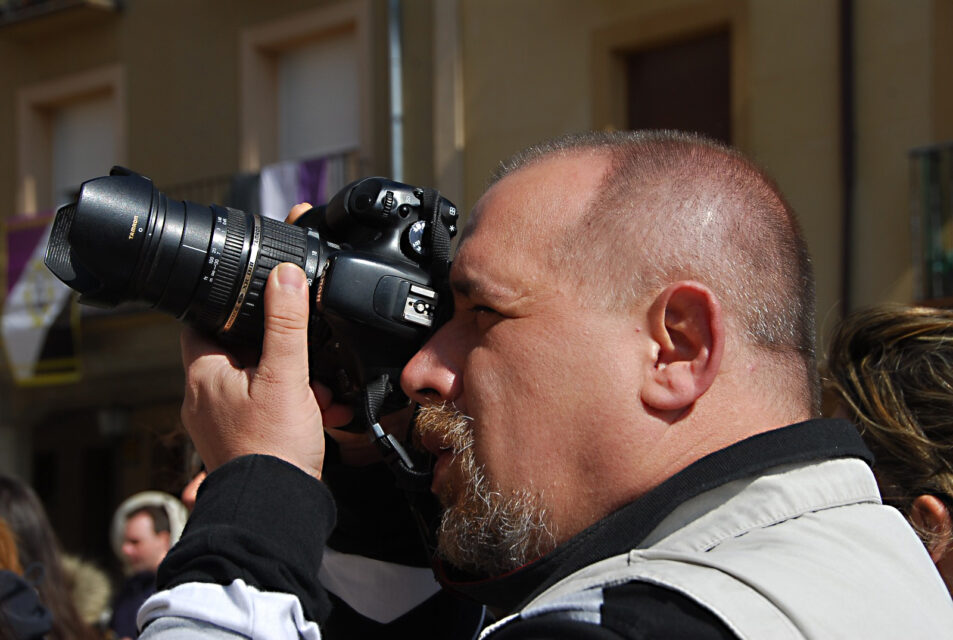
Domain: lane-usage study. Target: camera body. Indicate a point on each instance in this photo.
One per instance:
(376, 258)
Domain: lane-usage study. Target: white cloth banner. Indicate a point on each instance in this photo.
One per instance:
(315, 180)
(32, 304)
(279, 189)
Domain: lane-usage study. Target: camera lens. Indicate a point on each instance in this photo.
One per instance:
(124, 240)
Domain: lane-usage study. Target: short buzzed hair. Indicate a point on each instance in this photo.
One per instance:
(160, 519)
(676, 206)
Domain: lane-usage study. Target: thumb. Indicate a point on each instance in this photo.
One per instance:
(284, 353)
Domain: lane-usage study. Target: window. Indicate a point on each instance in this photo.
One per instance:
(931, 178)
(306, 87)
(69, 129)
(677, 68)
(318, 98)
(83, 145)
(684, 85)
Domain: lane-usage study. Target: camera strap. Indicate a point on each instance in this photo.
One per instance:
(409, 476)
(438, 239)
(414, 482)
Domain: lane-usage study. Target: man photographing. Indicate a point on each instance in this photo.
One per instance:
(621, 413)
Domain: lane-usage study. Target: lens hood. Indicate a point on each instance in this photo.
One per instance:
(96, 243)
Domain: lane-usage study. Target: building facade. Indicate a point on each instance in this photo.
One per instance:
(213, 98)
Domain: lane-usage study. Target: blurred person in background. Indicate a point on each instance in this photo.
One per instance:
(144, 528)
(92, 591)
(39, 553)
(890, 369)
(9, 560)
(22, 615)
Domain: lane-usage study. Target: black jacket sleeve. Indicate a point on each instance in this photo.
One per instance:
(261, 520)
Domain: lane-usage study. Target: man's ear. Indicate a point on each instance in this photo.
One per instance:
(930, 514)
(686, 325)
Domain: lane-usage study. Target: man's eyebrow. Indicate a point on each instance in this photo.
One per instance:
(474, 289)
(463, 286)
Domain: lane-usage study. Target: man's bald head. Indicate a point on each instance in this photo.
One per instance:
(675, 206)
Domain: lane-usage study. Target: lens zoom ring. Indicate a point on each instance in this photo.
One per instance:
(279, 243)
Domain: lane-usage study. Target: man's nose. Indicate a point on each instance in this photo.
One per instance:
(433, 374)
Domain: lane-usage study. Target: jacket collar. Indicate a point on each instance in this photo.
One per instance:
(626, 528)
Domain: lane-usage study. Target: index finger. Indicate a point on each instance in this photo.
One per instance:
(297, 211)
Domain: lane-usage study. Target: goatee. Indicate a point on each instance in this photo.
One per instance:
(484, 530)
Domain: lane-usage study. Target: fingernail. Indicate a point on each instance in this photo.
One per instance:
(290, 276)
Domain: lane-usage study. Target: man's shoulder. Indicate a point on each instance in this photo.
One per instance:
(633, 610)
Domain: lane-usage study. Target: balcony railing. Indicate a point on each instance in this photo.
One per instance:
(242, 190)
(37, 17)
(931, 172)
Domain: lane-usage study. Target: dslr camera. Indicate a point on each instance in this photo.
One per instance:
(376, 259)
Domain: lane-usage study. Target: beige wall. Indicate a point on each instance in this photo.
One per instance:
(532, 69)
(942, 69)
(530, 74)
(184, 89)
(182, 81)
(482, 79)
(791, 116)
(539, 68)
(894, 77)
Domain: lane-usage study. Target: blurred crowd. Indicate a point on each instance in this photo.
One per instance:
(47, 593)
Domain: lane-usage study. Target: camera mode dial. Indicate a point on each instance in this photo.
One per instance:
(413, 240)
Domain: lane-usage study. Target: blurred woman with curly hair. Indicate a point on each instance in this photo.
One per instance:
(891, 370)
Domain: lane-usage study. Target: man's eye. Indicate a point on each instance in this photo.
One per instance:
(482, 309)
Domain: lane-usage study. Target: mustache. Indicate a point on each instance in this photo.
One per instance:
(452, 428)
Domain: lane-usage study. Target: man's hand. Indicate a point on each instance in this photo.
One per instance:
(230, 410)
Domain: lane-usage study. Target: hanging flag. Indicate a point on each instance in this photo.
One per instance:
(279, 189)
(40, 316)
(284, 184)
(312, 181)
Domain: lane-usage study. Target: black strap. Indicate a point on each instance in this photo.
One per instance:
(438, 239)
(414, 480)
(409, 476)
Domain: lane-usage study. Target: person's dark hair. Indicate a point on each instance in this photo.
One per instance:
(37, 545)
(160, 519)
(9, 557)
(891, 368)
(676, 206)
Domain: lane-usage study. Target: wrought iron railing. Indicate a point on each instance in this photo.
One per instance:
(931, 173)
(13, 11)
(240, 190)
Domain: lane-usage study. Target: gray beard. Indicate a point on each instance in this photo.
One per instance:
(483, 530)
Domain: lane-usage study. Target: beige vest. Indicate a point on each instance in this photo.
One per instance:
(802, 551)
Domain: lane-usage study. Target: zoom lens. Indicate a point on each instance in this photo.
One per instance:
(123, 240)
